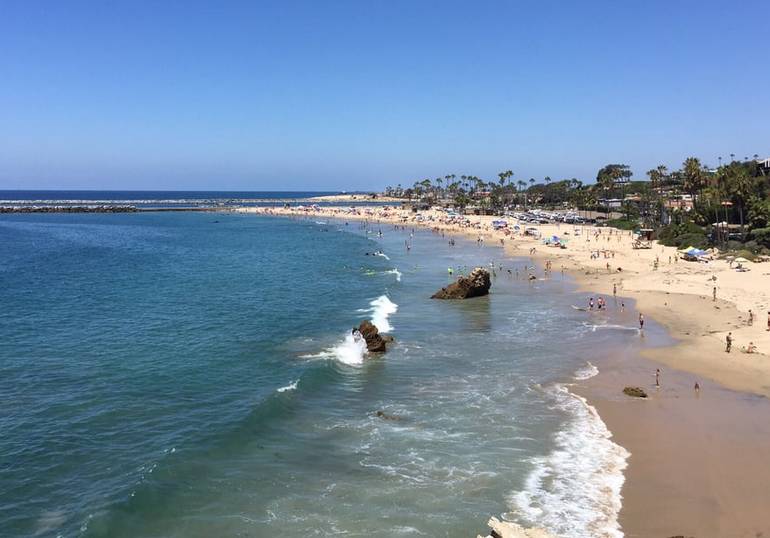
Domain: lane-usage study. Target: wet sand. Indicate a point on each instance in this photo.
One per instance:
(699, 461)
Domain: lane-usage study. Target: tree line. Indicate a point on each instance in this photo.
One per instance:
(736, 192)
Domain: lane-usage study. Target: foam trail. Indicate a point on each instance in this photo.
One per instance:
(575, 490)
(587, 372)
(382, 254)
(395, 272)
(290, 386)
(382, 307)
(612, 326)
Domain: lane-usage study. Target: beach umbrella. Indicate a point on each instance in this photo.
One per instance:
(741, 260)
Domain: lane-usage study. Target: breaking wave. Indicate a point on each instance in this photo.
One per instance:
(382, 308)
(395, 272)
(575, 490)
(290, 386)
(352, 350)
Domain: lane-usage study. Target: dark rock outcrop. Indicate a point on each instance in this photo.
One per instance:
(476, 284)
(375, 343)
(635, 392)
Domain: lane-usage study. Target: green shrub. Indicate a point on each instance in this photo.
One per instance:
(683, 235)
(761, 236)
(745, 254)
(697, 240)
(623, 224)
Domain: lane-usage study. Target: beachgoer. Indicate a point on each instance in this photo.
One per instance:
(614, 289)
(697, 387)
(752, 348)
(768, 321)
(591, 303)
(714, 294)
(641, 321)
(751, 317)
(728, 342)
(622, 306)
(657, 377)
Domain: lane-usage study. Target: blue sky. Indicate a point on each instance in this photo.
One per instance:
(357, 95)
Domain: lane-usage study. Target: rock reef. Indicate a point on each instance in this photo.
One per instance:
(634, 392)
(375, 343)
(476, 284)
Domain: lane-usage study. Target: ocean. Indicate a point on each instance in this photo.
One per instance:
(193, 375)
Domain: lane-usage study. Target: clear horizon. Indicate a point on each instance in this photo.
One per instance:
(302, 96)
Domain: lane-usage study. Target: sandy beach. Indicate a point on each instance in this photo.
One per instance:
(696, 467)
(347, 198)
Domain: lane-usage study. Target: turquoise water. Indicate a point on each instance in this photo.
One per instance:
(188, 375)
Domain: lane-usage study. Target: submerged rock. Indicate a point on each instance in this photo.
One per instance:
(476, 284)
(384, 415)
(635, 392)
(374, 342)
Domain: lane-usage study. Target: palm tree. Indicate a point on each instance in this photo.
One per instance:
(657, 175)
(693, 176)
(739, 184)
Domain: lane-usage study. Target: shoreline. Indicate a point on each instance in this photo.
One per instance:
(723, 506)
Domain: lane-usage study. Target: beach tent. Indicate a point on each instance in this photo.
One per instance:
(693, 254)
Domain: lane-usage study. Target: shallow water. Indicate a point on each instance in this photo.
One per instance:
(190, 375)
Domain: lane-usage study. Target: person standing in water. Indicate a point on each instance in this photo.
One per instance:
(641, 321)
(657, 377)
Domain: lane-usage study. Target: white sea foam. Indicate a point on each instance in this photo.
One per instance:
(587, 372)
(575, 490)
(612, 326)
(395, 272)
(382, 255)
(350, 351)
(290, 386)
(382, 308)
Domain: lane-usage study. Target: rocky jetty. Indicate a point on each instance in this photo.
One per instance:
(375, 342)
(635, 392)
(476, 284)
(68, 209)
